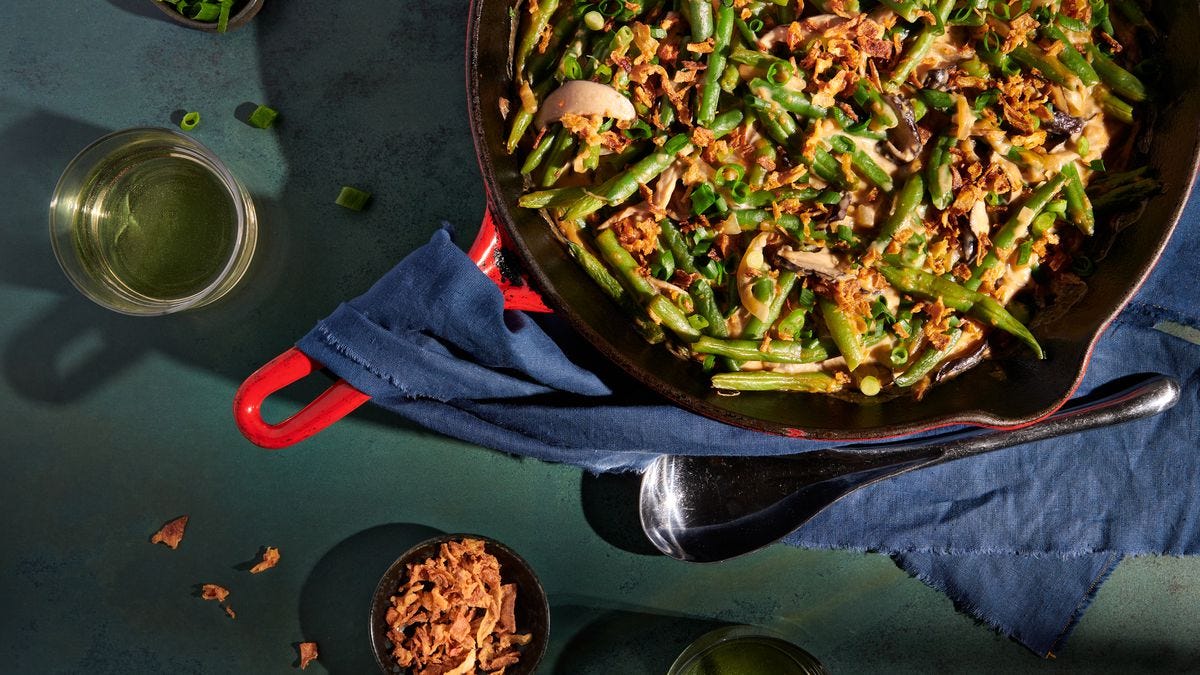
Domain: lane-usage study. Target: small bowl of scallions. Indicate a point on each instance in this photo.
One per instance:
(214, 16)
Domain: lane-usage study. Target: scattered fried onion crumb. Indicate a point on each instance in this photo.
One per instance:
(214, 592)
(308, 653)
(453, 614)
(270, 558)
(171, 533)
(217, 594)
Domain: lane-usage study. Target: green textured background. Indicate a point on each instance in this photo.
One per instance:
(113, 425)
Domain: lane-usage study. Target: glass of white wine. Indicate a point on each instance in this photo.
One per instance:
(744, 650)
(147, 221)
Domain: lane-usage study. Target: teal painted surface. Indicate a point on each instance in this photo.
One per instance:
(113, 425)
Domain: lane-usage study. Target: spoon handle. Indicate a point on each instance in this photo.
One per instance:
(1146, 396)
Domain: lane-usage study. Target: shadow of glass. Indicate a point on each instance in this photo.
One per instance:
(598, 638)
(33, 153)
(336, 598)
(140, 8)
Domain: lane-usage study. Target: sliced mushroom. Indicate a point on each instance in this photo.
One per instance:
(980, 226)
(821, 263)
(664, 188)
(937, 78)
(904, 139)
(641, 210)
(969, 243)
(749, 271)
(584, 98)
(969, 360)
(1061, 127)
(808, 28)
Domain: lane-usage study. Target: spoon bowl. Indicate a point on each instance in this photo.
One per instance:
(708, 509)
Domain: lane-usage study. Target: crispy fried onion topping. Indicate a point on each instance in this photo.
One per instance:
(308, 653)
(171, 533)
(454, 615)
(270, 558)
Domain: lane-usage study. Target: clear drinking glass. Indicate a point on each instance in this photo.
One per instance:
(744, 650)
(147, 221)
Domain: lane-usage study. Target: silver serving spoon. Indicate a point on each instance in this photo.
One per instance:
(706, 509)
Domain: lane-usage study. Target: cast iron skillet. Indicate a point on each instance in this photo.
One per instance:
(1009, 391)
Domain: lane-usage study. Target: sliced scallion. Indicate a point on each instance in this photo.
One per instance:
(263, 117)
(190, 121)
(352, 198)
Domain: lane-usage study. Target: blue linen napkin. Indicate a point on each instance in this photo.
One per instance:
(1021, 539)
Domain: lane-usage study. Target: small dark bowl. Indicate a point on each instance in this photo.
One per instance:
(533, 612)
(236, 21)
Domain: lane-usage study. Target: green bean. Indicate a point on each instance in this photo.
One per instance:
(777, 122)
(761, 198)
(658, 305)
(729, 79)
(904, 209)
(622, 261)
(750, 219)
(672, 317)
(921, 45)
(863, 164)
(777, 351)
(757, 59)
(927, 361)
(620, 187)
(558, 158)
(1135, 15)
(906, 9)
(539, 152)
(652, 332)
(983, 307)
(1114, 106)
(523, 118)
(1127, 195)
(1032, 56)
(1070, 58)
(533, 31)
(552, 198)
(755, 328)
(711, 88)
(763, 150)
(937, 174)
(1121, 81)
(1103, 182)
(673, 240)
(788, 99)
(700, 18)
(538, 64)
(844, 333)
(882, 114)
(1015, 227)
(768, 381)
(747, 34)
(827, 168)
(725, 123)
(793, 323)
(666, 113)
(706, 306)
(611, 287)
(827, 6)
(1078, 204)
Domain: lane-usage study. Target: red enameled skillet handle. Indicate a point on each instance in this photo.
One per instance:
(341, 398)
